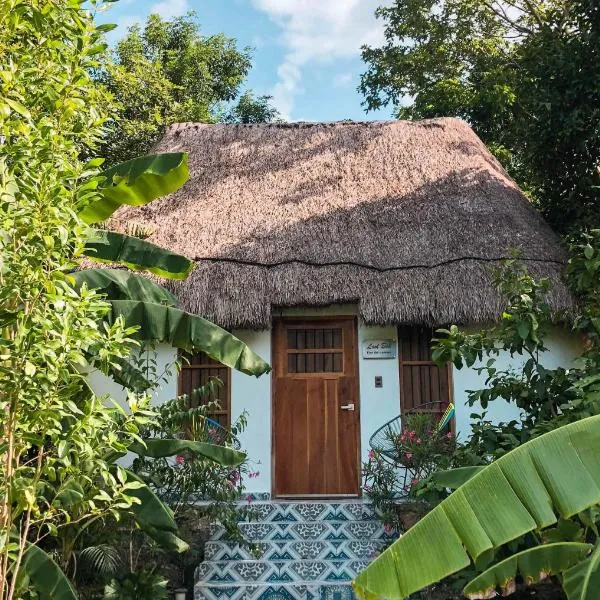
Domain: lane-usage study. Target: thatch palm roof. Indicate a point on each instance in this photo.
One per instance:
(404, 218)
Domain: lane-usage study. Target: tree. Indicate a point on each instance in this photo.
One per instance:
(524, 74)
(251, 109)
(164, 73)
(58, 440)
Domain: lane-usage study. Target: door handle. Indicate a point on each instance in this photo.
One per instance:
(347, 407)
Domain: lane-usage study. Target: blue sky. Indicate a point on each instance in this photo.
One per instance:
(306, 52)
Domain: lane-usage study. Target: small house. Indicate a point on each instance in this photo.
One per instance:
(334, 251)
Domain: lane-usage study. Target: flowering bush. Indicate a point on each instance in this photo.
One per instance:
(421, 448)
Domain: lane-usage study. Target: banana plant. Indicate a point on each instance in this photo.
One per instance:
(557, 473)
(138, 300)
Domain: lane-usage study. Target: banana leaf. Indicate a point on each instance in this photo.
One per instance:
(136, 254)
(534, 565)
(582, 582)
(45, 576)
(557, 473)
(161, 448)
(155, 518)
(137, 182)
(454, 478)
(129, 376)
(188, 332)
(123, 285)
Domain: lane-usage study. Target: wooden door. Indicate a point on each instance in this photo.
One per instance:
(315, 408)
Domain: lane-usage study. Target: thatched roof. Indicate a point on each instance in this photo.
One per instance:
(404, 218)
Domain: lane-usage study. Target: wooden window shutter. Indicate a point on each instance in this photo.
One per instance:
(422, 382)
(197, 370)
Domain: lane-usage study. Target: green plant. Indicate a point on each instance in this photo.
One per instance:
(167, 72)
(134, 586)
(554, 474)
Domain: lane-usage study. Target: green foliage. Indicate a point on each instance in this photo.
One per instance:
(40, 572)
(136, 254)
(582, 581)
(167, 72)
(134, 586)
(122, 285)
(532, 565)
(57, 437)
(162, 323)
(191, 478)
(554, 474)
(524, 76)
(136, 182)
(250, 109)
(524, 324)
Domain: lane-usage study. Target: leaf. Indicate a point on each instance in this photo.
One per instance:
(46, 576)
(137, 182)
(582, 581)
(161, 448)
(123, 285)
(129, 376)
(189, 332)
(154, 517)
(136, 254)
(557, 472)
(454, 478)
(534, 565)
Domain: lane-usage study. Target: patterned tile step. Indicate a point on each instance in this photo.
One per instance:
(300, 512)
(278, 571)
(304, 550)
(318, 530)
(296, 591)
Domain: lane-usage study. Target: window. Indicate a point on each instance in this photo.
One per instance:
(422, 382)
(197, 370)
(315, 350)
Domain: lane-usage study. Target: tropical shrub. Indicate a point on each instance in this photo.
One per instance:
(58, 440)
(140, 584)
(559, 421)
(522, 492)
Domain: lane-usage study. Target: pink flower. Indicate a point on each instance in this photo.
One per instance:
(414, 482)
(450, 435)
(388, 528)
(412, 435)
(371, 454)
(253, 475)
(418, 441)
(179, 459)
(249, 499)
(408, 455)
(230, 484)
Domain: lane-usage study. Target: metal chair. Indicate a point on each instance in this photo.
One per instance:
(217, 434)
(386, 440)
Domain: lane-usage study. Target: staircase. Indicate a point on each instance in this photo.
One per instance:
(310, 551)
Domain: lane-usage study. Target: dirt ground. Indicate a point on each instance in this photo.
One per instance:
(543, 591)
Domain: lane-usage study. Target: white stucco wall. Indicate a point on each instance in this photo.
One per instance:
(377, 405)
(165, 359)
(253, 395)
(562, 346)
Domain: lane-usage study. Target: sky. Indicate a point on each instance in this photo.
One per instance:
(306, 52)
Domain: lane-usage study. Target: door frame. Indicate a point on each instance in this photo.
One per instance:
(316, 319)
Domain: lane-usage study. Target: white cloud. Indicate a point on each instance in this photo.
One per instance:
(170, 8)
(342, 80)
(318, 31)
